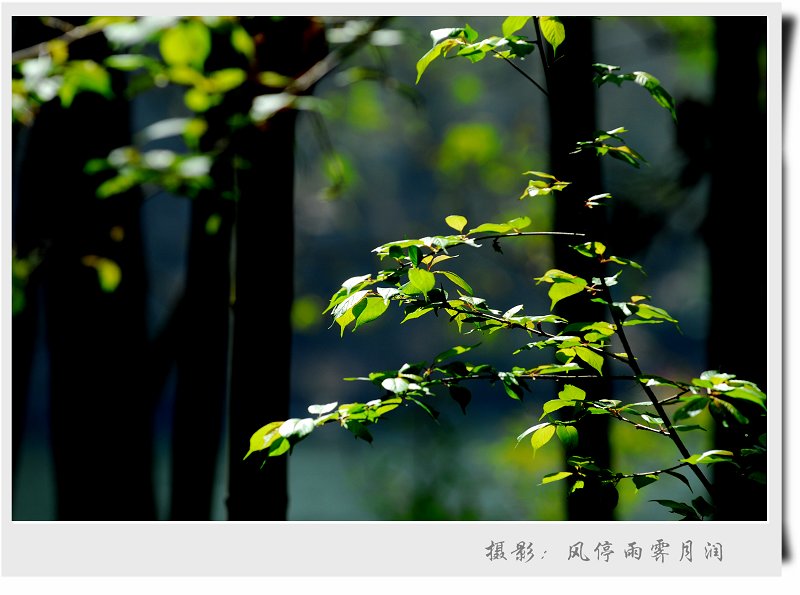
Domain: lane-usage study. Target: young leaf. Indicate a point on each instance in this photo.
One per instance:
(513, 24)
(531, 430)
(552, 31)
(542, 436)
(457, 350)
(422, 280)
(554, 405)
(457, 222)
(558, 476)
(263, 437)
(590, 357)
(373, 308)
(457, 280)
(572, 393)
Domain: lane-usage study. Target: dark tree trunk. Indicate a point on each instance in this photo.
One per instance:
(572, 119)
(264, 277)
(736, 236)
(101, 403)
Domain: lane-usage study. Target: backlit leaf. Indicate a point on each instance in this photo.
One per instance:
(590, 357)
(513, 24)
(551, 477)
(542, 436)
(572, 393)
(553, 31)
(457, 222)
(422, 280)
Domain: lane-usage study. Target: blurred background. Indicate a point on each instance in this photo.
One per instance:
(390, 160)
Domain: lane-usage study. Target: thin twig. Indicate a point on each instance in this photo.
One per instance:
(71, 35)
(673, 434)
(522, 72)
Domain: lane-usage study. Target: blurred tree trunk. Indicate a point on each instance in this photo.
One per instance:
(202, 318)
(101, 402)
(264, 274)
(572, 119)
(736, 236)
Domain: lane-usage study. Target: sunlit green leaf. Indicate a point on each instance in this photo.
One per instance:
(187, 43)
(242, 42)
(554, 405)
(572, 393)
(513, 24)
(542, 436)
(551, 477)
(263, 437)
(422, 280)
(590, 357)
(553, 31)
(374, 307)
(457, 222)
(457, 280)
(708, 457)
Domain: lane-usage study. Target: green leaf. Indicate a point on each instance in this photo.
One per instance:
(453, 351)
(553, 31)
(263, 437)
(692, 406)
(422, 280)
(129, 62)
(554, 405)
(414, 255)
(242, 42)
(558, 476)
(457, 280)
(530, 430)
(709, 457)
(563, 289)
(572, 393)
(568, 436)
(440, 49)
(84, 75)
(373, 308)
(457, 222)
(226, 79)
(344, 306)
(358, 429)
(542, 436)
(657, 92)
(643, 480)
(590, 357)
(187, 43)
(416, 313)
(513, 24)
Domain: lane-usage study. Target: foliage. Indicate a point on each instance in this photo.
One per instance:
(413, 274)
(417, 282)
